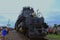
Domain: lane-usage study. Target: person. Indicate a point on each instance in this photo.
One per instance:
(4, 33)
(50, 30)
(7, 30)
(56, 31)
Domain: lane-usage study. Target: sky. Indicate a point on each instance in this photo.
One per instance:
(10, 9)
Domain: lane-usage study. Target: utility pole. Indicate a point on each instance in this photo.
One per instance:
(8, 23)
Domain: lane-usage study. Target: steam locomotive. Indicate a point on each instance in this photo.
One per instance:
(31, 24)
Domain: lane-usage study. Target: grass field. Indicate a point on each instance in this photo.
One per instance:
(53, 37)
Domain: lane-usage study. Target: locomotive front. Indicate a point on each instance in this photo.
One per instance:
(32, 24)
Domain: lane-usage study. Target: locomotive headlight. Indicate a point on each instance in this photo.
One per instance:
(34, 14)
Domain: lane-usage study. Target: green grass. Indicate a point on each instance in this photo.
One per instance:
(53, 36)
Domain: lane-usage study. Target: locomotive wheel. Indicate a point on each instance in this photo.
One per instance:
(26, 33)
(16, 29)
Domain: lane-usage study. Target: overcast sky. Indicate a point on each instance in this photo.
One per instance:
(10, 9)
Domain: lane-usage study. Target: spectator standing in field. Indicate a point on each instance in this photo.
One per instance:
(55, 31)
(50, 30)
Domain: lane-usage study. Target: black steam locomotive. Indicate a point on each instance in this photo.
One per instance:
(31, 24)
